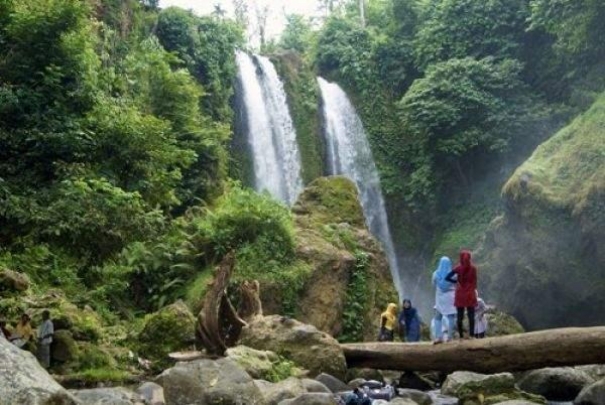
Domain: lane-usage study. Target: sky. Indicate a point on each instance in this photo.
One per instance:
(278, 9)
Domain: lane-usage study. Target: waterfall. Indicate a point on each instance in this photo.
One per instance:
(269, 129)
(349, 154)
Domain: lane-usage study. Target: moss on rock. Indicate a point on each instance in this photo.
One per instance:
(549, 241)
(264, 364)
(170, 329)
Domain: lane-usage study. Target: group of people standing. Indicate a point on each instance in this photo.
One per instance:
(455, 294)
(24, 337)
(406, 321)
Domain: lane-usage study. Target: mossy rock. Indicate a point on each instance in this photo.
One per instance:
(548, 244)
(330, 200)
(64, 347)
(84, 323)
(502, 324)
(170, 329)
(12, 282)
(264, 364)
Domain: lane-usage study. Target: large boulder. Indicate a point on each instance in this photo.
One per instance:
(108, 396)
(502, 324)
(151, 393)
(314, 386)
(333, 383)
(263, 364)
(556, 384)
(23, 381)
(303, 344)
(209, 382)
(594, 394)
(331, 238)
(543, 260)
(170, 329)
(485, 389)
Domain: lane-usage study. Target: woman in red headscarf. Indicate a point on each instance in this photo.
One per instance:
(466, 278)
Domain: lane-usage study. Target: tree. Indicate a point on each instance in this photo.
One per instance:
(219, 12)
(476, 28)
(463, 112)
(296, 34)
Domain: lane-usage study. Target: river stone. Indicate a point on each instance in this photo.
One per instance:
(152, 393)
(108, 396)
(414, 381)
(422, 398)
(315, 386)
(209, 382)
(596, 371)
(274, 393)
(333, 383)
(516, 402)
(556, 384)
(23, 381)
(304, 344)
(475, 388)
(441, 399)
(594, 394)
(257, 363)
(311, 398)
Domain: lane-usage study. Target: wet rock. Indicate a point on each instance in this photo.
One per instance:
(262, 364)
(556, 384)
(421, 398)
(401, 401)
(151, 393)
(333, 383)
(108, 396)
(594, 394)
(304, 344)
(209, 382)
(25, 382)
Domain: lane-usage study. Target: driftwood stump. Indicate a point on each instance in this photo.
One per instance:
(219, 323)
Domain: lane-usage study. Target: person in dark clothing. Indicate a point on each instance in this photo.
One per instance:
(409, 322)
(357, 398)
(465, 277)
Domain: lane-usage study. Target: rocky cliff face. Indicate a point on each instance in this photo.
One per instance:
(348, 282)
(544, 258)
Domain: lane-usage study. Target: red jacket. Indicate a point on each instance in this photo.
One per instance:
(466, 288)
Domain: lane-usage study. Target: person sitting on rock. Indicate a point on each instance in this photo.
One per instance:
(23, 332)
(45, 337)
(410, 322)
(387, 323)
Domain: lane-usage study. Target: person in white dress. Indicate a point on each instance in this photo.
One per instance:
(480, 318)
(444, 301)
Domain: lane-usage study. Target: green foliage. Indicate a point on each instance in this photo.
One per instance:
(296, 34)
(460, 114)
(207, 48)
(356, 303)
(475, 28)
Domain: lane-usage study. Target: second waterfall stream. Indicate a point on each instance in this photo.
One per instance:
(349, 154)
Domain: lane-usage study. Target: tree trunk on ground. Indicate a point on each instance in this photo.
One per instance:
(524, 351)
(219, 324)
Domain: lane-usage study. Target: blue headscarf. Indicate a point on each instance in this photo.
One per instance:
(445, 267)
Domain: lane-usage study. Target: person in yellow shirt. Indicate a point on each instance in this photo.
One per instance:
(388, 321)
(23, 333)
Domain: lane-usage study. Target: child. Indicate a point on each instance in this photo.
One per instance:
(410, 322)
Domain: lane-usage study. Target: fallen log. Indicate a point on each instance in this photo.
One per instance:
(524, 351)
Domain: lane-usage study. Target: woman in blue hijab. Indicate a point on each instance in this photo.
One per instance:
(444, 300)
(410, 322)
